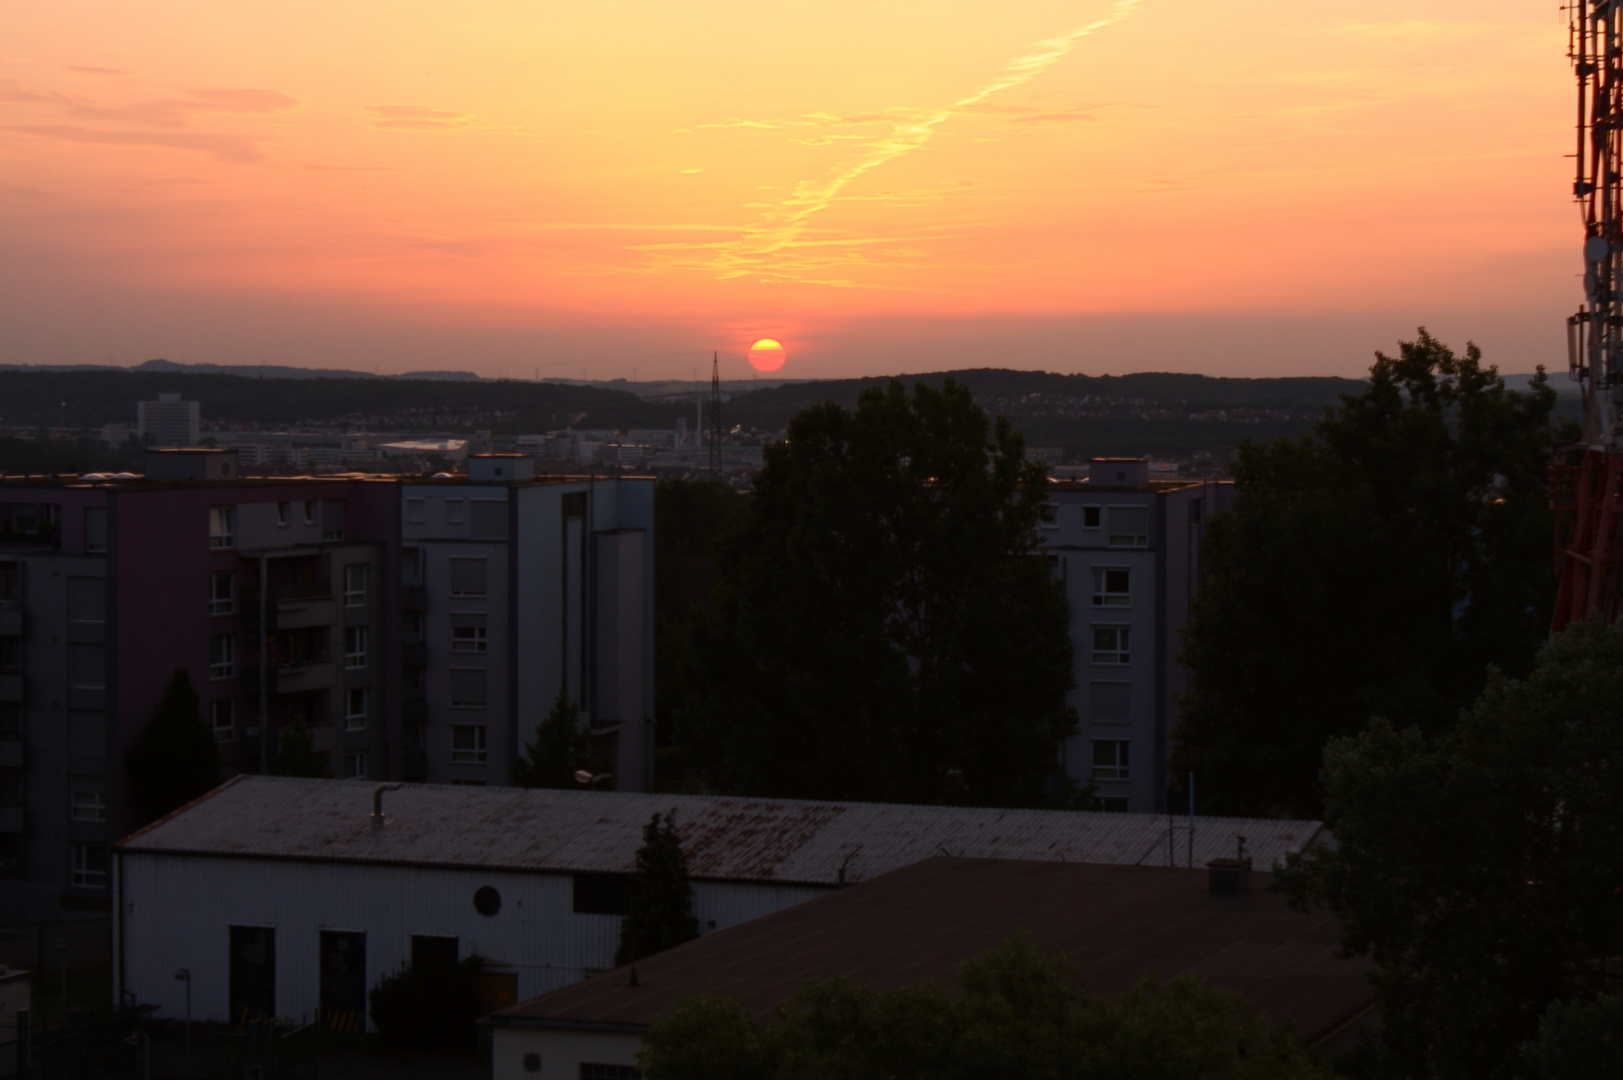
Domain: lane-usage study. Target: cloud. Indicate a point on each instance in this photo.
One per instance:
(764, 249)
(228, 148)
(241, 100)
(422, 118)
(85, 69)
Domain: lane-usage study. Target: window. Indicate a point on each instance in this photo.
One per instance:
(1129, 526)
(589, 1071)
(1110, 586)
(87, 667)
(355, 708)
(87, 600)
(24, 518)
(11, 654)
(222, 526)
(411, 566)
(1110, 645)
(223, 719)
(467, 577)
(467, 633)
(1091, 517)
(222, 656)
(355, 765)
(90, 865)
(10, 583)
(456, 511)
(332, 518)
(602, 894)
(468, 744)
(1109, 702)
(87, 733)
(310, 511)
(467, 689)
(489, 519)
(355, 578)
(284, 514)
(96, 529)
(416, 511)
(1110, 759)
(89, 802)
(354, 646)
(222, 592)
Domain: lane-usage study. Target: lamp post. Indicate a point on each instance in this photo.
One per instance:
(185, 976)
(584, 777)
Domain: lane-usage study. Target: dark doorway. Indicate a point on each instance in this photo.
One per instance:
(253, 973)
(343, 980)
(432, 952)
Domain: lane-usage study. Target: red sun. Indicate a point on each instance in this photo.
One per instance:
(767, 355)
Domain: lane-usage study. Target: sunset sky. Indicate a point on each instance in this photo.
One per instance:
(616, 188)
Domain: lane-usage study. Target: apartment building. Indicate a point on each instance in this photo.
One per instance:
(1128, 551)
(168, 421)
(514, 589)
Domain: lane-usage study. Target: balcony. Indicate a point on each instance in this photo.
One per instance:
(293, 610)
(414, 711)
(414, 653)
(292, 678)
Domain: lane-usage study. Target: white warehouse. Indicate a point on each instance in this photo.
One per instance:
(290, 897)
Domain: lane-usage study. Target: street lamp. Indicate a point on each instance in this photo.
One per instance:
(584, 777)
(185, 976)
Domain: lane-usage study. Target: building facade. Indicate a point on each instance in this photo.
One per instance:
(168, 421)
(1128, 552)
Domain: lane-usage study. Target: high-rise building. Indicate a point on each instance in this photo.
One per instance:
(168, 421)
(1128, 551)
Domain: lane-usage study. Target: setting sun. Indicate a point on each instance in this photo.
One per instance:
(767, 355)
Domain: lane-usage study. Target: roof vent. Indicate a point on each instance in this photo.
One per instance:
(377, 803)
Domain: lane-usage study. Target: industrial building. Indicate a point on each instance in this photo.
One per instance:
(259, 887)
(1127, 549)
(919, 923)
(288, 601)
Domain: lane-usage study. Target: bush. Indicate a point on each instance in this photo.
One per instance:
(429, 1007)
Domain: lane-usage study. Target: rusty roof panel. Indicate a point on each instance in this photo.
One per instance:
(725, 838)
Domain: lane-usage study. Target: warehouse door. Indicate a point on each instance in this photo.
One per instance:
(343, 980)
(253, 973)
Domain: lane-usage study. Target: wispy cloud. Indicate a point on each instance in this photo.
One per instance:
(423, 118)
(763, 248)
(230, 148)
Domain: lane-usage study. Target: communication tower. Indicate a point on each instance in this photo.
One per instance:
(1586, 483)
(715, 414)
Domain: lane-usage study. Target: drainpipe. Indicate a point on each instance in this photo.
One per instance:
(264, 661)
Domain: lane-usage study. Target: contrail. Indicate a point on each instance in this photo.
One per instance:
(788, 222)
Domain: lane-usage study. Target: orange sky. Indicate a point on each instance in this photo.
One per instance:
(1251, 187)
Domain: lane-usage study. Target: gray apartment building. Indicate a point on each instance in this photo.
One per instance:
(1128, 551)
(168, 421)
(514, 589)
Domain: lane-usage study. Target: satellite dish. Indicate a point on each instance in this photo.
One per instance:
(93, 476)
(1596, 249)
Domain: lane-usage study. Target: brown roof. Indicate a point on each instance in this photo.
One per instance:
(917, 924)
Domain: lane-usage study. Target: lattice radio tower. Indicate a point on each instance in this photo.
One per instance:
(715, 414)
(1587, 494)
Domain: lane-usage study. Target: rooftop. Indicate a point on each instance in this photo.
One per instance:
(918, 924)
(783, 841)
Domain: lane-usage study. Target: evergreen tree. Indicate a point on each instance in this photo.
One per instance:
(661, 914)
(296, 754)
(175, 758)
(562, 745)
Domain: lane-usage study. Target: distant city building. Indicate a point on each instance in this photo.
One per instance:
(1127, 548)
(168, 421)
(269, 886)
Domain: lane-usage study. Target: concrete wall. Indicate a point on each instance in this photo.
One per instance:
(176, 911)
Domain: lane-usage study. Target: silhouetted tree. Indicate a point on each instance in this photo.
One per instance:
(562, 745)
(1376, 567)
(885, 624)
(661, 909)
(175, 758)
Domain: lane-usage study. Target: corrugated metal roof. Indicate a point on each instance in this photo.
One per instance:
(725, 838)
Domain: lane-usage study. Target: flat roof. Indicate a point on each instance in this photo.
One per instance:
(918, 924)
(725, 838)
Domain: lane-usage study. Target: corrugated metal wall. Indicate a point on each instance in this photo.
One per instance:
(178, 909)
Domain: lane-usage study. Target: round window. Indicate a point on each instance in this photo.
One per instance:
(487, 901)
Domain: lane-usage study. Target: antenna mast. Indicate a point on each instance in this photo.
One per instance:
(1588, 495)
(715, 414)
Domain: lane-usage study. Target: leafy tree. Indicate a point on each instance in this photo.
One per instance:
(1377, 567)
(1479, 869)
(885, 626)
(661, 915)
(1015, 1013)
(1580, 1041)
(296, 754)
(431, 1007)
(175, 758)
(562, 745)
